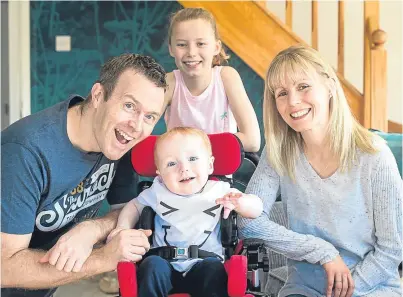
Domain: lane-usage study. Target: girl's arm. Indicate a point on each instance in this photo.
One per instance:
(243, 111)
(381, 263)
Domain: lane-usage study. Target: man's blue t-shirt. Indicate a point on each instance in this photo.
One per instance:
(48, 185)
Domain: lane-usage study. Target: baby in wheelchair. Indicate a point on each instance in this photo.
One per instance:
(187, 253)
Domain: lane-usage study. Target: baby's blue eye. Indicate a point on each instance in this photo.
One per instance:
(170, 164)
(191, 159)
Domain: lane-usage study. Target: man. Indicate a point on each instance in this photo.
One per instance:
(57, 167)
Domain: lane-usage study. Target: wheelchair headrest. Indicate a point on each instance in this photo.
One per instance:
(227, 151)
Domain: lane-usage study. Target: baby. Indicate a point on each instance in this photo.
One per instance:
(188, 207)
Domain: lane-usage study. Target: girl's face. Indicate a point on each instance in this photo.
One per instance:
(193, 45)
(303, 103)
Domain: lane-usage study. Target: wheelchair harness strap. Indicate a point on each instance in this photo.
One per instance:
(173, 253)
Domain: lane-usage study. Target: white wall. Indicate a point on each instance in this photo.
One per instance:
(391, 22)
(19, 59)
(391, 15)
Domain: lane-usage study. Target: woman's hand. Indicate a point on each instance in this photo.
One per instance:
(339, 278)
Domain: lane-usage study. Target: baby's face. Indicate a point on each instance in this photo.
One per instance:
(184, 164)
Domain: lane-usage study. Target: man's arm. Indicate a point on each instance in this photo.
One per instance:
(103, 226)
(21, 267)
(73, 248)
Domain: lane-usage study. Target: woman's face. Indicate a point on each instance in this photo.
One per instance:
(304, 103)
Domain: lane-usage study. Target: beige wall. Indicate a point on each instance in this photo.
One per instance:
(391, 15)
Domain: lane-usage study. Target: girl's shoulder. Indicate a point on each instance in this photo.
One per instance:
(227, 70)
(229, 75)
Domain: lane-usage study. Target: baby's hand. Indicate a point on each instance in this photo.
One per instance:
(113, 234)
(230, 202)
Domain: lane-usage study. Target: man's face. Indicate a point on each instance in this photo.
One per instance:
(128, 116)
(184, 163)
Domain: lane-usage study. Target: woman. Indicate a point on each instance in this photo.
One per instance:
(339, 184)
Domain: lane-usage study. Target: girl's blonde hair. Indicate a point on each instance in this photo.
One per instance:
(188, 14)
(344, 133)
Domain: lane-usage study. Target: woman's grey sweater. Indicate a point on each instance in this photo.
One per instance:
(357, 214)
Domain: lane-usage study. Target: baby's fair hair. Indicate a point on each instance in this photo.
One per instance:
(185, 131)
(188, 14)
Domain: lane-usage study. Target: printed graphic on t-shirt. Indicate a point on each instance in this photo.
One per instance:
(87, 193)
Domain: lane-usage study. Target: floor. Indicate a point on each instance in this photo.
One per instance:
(90, 288)
(83, 288)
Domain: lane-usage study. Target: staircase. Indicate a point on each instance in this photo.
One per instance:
(256, 36)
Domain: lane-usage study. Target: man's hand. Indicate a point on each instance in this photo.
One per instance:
(127, 245)
(230, 201)
(72, 249)
(338, 278)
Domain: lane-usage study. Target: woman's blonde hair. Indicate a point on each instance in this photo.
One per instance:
(188, 14)
(344, 134)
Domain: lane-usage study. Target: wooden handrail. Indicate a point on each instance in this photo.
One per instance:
(379, 111)
(375, 113)
(371, 10)
(288, 13)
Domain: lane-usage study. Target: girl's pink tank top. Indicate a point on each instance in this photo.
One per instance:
(209, 111)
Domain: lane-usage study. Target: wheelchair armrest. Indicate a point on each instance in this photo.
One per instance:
(229, 233)
(146, 221)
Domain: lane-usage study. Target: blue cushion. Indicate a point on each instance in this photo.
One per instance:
(394, 141)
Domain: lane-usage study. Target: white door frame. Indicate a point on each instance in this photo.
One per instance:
(19, 59)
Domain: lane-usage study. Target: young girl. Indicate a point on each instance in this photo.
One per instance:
(201, 93)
